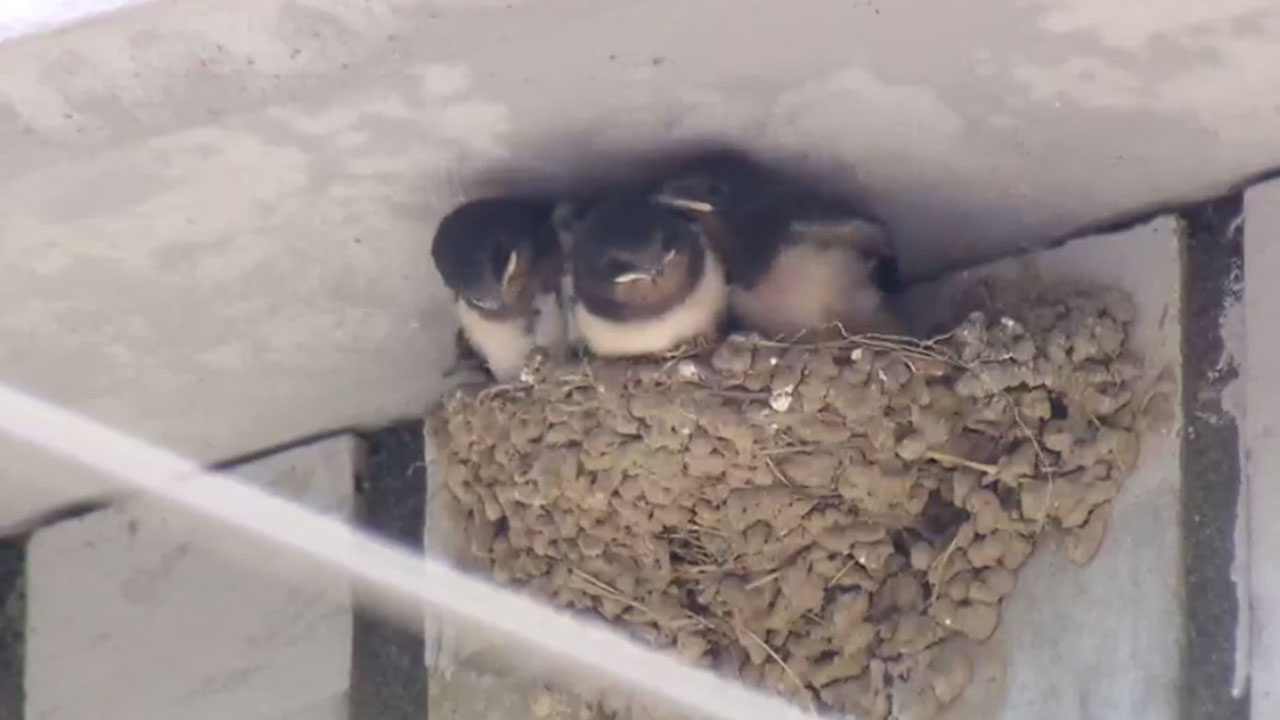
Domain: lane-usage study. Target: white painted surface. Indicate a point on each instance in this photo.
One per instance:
(1235, 400)
(1100, 641)
(217, 214)
(24, 17)
(1262, 442)
(129, 621)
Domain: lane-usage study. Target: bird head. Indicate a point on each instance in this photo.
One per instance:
(635, 256)
(485, 251)
(708, 187)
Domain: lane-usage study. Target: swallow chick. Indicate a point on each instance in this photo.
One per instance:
(643, 278)
(503, 261)
(797, 263)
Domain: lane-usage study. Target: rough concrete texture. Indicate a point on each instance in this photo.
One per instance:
(222, 208)
(129, 617)
(1102, 641)
(1262, 428)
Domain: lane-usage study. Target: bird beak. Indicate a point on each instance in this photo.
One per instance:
(485, 302)
(647, 273)
(692, 193)
(683, 203)
(515, 277)
(631, 277)
(513, 264)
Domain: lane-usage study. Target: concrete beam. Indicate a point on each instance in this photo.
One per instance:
(169, 168)
(128, 618)
(1262, 413)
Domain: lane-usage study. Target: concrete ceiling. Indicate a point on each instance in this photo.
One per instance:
(215, 216)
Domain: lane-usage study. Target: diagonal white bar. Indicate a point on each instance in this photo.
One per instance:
(394, 575)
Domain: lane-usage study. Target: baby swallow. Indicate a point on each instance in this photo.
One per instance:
(797, 262)
(644, 279)
(502, 259)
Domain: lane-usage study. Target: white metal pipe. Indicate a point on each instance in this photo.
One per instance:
(392, 574)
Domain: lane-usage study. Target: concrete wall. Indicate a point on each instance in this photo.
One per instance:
(214, 216)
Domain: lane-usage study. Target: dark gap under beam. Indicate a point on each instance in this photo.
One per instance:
(1212, 265)
(388, 674)
(13, 627)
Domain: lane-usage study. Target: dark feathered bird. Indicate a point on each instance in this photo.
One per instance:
(502, 259)
(644, 280)
(797, 260)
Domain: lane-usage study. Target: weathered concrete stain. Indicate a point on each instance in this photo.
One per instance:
(222, 210)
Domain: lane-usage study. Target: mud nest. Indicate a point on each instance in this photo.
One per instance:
(813, 519)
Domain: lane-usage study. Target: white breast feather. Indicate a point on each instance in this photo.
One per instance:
(505, 344)
(697, 315)
(550, 329)
(808, 286)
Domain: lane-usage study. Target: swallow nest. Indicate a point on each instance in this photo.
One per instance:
(817, 520)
